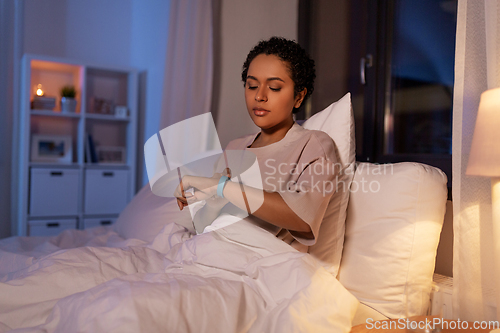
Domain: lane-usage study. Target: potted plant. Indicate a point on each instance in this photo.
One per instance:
(68, 101)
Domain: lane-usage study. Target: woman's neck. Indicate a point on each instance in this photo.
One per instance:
(272, 135)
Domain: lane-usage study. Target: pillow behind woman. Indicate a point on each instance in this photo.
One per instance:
(337, 120)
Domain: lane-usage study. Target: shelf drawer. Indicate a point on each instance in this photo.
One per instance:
(53, 192)
(98, 222)
(50, 227)
(106, 191)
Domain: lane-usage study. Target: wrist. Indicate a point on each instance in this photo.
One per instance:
(220, 186)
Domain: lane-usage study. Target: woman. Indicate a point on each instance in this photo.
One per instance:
(296, 164)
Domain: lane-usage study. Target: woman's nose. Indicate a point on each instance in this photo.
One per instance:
(261, 95)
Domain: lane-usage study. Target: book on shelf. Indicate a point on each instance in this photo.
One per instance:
(43, 102)
(90, 151)
(44, 98)
(87, 149)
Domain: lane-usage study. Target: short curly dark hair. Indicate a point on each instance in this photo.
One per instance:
(300, 65)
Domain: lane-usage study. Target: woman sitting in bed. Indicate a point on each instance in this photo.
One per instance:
(238, 278)
(297, 165)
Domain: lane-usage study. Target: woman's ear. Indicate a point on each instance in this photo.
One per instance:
(299, 98)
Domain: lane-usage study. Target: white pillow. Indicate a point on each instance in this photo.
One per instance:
(394, 220)
(147, 214)
(337, 120)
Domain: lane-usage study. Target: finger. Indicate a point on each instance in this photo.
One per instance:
(227, 172)
(179, 203)
(182, 200)
(227, 164)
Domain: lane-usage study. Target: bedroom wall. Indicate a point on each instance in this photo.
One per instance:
(44, 25)
(242, 24)
(92, 30)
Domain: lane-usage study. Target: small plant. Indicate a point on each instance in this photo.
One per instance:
(68, 91)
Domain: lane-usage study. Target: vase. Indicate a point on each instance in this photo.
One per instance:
(68, 104)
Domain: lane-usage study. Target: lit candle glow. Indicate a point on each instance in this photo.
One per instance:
(39, 91)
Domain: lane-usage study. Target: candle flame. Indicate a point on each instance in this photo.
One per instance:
(39, 91)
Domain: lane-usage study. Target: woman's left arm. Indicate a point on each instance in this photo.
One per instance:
(272, 208)
(268, 206)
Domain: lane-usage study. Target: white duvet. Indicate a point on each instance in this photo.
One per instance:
(236, 279)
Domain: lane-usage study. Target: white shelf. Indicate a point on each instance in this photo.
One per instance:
(106, 117)
(106, 166)
(54, 165)
(51, 113)
(114, 84)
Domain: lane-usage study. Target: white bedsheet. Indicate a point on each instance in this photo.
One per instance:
(236, 279)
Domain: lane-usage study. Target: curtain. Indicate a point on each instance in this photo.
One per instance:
(476, 70)
(187, 88)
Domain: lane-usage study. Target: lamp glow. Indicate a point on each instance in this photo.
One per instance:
(39, 91)
(484, 160)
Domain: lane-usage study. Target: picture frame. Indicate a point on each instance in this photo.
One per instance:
(121, 111)
(51, 149)
(111, 155)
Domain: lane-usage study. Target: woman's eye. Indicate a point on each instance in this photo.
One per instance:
(275, 89)
(252, 87)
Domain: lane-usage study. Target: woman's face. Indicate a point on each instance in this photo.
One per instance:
(269, 92)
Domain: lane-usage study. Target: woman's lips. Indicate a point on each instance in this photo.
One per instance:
(260, 112)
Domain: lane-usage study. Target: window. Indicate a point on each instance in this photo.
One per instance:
(399, 57)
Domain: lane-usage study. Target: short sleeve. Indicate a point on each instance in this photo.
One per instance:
(313, 182)
(237, 144)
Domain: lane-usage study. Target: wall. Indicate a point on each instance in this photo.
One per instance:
(242, 24)
(91, 31)
(99, 31)
(44, 25)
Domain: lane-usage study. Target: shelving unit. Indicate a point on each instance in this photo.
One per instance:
(77, 192)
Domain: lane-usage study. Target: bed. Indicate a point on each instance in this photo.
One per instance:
(147, 274)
